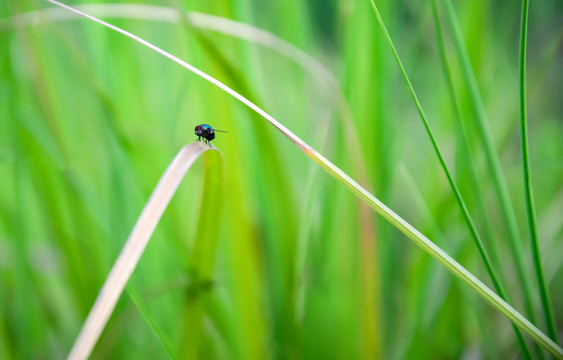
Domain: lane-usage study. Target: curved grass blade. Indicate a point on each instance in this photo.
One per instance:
(432, 249)
(325, 77)
(133, 249)
(203, 257)
(327, 80)
(528, 190)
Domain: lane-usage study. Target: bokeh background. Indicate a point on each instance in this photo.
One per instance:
(290, 264)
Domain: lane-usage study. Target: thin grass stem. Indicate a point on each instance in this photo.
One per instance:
(468, 219)
(528, 189)
(493, 162)
(465, 146)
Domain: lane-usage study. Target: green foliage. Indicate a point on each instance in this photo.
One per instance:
(291, 264)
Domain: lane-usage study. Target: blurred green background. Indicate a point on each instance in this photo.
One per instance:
(290, 264)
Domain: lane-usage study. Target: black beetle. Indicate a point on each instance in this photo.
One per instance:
(206, 132)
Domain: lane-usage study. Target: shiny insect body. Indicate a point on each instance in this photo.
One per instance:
(206, 132)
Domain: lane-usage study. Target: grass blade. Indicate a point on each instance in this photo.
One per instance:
(528, 190)
(493, 162)
(327, 80)
(465, 150)
(469, 221)
(133, 249)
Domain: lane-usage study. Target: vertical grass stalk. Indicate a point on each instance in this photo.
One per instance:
(493, 162)
(449, 80)
(528, 190)
(461, 202)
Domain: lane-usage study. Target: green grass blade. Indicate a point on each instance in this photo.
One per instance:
(461, 202)
(493, 162)
(465, 150)
(453, 266)
(464, 141)
(528, 191)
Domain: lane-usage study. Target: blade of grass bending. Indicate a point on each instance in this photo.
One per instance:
(328, 81)
(493, 162)
(133, 249)
(465, 150)
(432, 249)
(528, 190)
(325, 77)
(469, 221)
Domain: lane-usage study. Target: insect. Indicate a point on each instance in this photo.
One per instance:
(206, 132)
